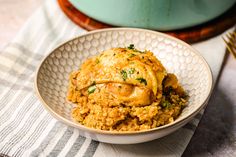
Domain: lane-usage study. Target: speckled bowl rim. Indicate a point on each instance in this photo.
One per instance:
(176, 123)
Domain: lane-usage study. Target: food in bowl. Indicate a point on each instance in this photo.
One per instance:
(125, 89)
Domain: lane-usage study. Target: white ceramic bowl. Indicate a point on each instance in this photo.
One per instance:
(178, 57)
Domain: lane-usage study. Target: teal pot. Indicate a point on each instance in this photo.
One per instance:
(153, 14)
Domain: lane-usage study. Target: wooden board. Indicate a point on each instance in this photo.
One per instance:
(190, 35)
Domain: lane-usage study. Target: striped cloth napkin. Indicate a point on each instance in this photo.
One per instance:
(26, 129)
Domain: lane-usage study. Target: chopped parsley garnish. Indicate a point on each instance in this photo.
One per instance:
(124, 74)
(131, 46)
(131, 55)
(142, 80)
(166, 104)
(91, 89)
(131, 70)
(97, 61)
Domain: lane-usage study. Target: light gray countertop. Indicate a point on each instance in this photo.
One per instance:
(216, 133)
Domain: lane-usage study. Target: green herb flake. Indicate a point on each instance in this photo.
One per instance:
(142, 80)
(124, 74)
(166, 104)
(97, 61)
(131, 55)
(131, 71)
(91, 89)
(131, 47)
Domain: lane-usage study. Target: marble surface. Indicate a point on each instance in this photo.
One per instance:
(216, 133)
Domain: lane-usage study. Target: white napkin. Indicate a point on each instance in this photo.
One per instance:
(26, 129)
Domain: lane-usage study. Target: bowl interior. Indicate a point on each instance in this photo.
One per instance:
(178, 58)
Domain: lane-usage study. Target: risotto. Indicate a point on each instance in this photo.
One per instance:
(124, 89)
